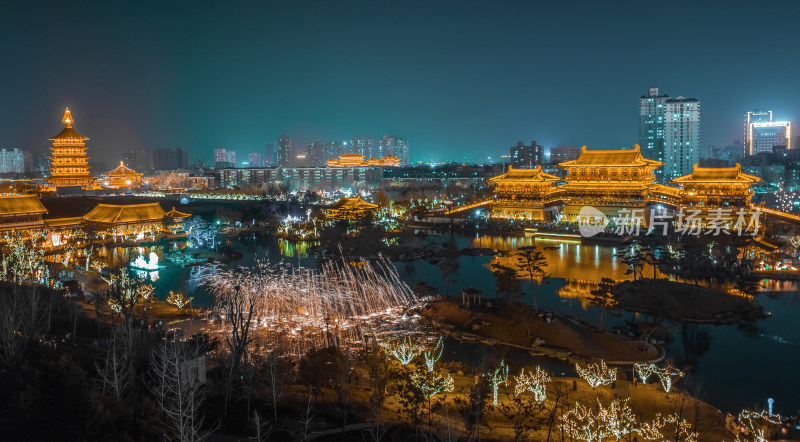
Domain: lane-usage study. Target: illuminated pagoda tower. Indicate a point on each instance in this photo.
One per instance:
(521, 193)
(69, 165)
(610, 180)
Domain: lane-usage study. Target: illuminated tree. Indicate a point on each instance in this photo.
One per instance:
(757, 425)
(126, 293)
(531, 262)
(665, 374)
(115, 369)
(671, 426)
(404, 350)
(431, 382)
(612, 422)
(497, 377)
(597, 373)
(433, 355)
(535, 382)
(178, 299)
(644, 371)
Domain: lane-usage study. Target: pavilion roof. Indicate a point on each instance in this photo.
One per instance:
(619, 157)
(176, 214)
(352, 204)
(122, 171)
(63, 222)
(20, 204)
(125, 213)
(524, 175)
(717, 175)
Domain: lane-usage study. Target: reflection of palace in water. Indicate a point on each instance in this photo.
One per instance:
(616, 182)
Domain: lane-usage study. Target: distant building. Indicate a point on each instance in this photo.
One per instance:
(317, 153)
(731, 153)
(652, 138)
(364, 146)
(121, 178)
(357, 160)
(762, 134)
(138, 159)
(220, 155)
(284, 151)
(15, 161)
(254, 160)
(170, 159)
(681, 136)
(523, 156)
(393, 146)
(269, 153)
(560, 154)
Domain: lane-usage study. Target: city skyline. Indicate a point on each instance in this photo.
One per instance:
(455, 81)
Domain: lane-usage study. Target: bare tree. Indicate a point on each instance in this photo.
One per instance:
(178, 390)
(25, 312)
(262, 428)
(303, 432)
(274, 368)
(116, 374)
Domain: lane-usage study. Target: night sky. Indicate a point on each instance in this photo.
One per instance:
(455, 78)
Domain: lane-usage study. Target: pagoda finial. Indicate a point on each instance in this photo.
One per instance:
(67, 120)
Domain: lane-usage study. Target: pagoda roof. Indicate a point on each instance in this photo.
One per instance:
(524, 175)
(63, 222)
(20, 204)
(619, 158)
(717, 175)
(125, 213)
(68, 132)
(122, 171)
(352, 204)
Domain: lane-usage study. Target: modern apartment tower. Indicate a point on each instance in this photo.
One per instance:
(681, 136)
(526, 157)
(283, 152)
(652, 111)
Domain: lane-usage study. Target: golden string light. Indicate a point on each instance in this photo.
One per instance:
(534, 381)
(597, 373)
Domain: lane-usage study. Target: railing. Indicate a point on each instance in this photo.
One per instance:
(467, 207)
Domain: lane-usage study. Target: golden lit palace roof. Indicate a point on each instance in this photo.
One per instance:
(717, 175)
(20, 204)
(358, 160)
(352, 204)
(620, 157)
(125, 213)
(122, 171)
(524, 175)
(175, 214)
(68, 132)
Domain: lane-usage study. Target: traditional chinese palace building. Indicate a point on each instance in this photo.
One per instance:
(615, 182)
(127, 219)
(522, 193)
(608, 180)
(69, 165)
(21, 212)
(349, 209)
(722, 187)
(121, 177)
(357, 160)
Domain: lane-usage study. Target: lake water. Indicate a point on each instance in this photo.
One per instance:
(733, 366)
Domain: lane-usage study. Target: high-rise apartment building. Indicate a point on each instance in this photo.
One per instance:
(681, 136)
(363, 146)
(732, 153)
(283, 152)
(169, 159)
(254, 160)
(652, 112)
(762, 134)
(15, 161)
(269, 153)
(390, 145)
(220, 155)
(523, 156)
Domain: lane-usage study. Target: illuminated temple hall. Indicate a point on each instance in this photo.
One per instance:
(709, 187)
(121, 177)
(18, 212)
(608, 180)
(350, 209)
(127, 219)
(69, 165)
(522, 193)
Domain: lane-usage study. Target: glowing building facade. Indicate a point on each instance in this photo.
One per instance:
(522, 193)
(358, 160)
(716, 187)
(69, 164)
(681, 136)
(762, 134)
